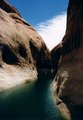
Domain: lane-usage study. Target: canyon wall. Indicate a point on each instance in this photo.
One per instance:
(69, 78)
(23, 53)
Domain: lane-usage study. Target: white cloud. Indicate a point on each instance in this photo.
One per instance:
(53, 30)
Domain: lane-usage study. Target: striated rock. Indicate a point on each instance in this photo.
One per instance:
(70, 53)
(8, 8)
(22, 51)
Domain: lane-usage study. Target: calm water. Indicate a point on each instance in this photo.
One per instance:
(31, 101)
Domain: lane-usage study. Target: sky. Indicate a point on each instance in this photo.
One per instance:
(47, 16)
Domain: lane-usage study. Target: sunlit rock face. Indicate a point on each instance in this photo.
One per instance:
(70, 66)
(22, 50)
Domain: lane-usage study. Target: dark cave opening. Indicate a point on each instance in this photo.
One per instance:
(8, 55)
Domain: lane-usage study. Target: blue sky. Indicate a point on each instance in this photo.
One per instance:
(44, 15)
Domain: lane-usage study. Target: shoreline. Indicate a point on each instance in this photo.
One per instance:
(11, 76)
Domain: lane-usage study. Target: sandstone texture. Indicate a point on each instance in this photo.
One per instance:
(69, 78)
(22, 51)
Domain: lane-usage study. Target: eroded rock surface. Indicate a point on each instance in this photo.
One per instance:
(70, 66)
(22, 50)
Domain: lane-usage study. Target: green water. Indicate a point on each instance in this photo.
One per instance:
(31, 101)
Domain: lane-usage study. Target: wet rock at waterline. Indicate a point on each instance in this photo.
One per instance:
(70, 67)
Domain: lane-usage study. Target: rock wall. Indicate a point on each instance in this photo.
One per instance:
(23, 52)
(70, 66)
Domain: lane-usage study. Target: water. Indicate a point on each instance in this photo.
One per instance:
(31, 101)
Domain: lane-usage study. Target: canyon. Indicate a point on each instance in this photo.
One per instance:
(24, 58)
